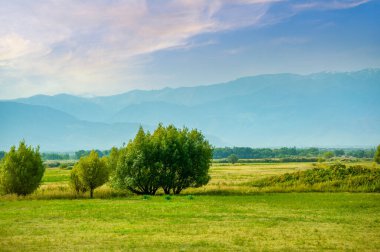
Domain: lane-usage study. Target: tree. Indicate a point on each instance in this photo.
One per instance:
(89, 173)
(2, 154)
(185, 158)
(76, 183)
(81, 153)
(113, 159)
(339, 152)
(232, 158)
(137, 169)
(328, 154)
(21, 170)
(377, 155)
(171, 158)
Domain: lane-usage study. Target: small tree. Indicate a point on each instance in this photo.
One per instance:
(21, 170)
(89, 173)
(232, 158)
(75, 182)
(377, 155)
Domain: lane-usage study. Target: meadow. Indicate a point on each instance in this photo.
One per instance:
(226, 214)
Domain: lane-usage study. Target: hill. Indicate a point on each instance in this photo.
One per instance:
(323, 109)
(54, 130)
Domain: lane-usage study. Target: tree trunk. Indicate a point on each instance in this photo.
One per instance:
(167, 190)
(91, 193)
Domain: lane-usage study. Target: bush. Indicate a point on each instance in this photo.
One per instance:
(335, 177)
(89, 173)
(232, 159)
(21, 170)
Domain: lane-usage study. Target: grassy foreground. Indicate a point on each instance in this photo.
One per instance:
(288, 221)
(227, 214)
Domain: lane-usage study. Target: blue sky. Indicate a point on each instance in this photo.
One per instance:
(95, 47)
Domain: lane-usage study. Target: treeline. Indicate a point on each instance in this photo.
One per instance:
(66, 156)
(281, 153)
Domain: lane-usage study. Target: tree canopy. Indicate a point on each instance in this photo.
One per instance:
(89, 173)
(170, 158)
(21, 170)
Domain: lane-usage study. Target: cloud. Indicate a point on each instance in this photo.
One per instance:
(329, 4)
(98, 46)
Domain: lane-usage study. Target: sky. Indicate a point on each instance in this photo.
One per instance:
(99, 47)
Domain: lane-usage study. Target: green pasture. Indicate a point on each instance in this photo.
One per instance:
(227, 214)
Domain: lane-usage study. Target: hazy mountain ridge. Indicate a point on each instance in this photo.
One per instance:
(324, 109)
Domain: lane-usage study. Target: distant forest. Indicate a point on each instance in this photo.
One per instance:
(240, 152)
(259, 153)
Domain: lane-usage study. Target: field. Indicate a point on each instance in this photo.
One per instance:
(227, 214)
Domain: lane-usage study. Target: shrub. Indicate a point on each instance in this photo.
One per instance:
(89, 173)
(21, 170)
(232, 159)
(335, 177)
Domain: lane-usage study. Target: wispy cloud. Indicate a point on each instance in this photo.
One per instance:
(76, 46)
(329, 4)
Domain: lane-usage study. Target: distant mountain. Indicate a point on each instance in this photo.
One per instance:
(323, 109)
(79, 107)
(54, 130)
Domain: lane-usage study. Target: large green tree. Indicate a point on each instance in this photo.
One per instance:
(185, 158)
(89, 173)
(21, 170)
(377, 155)
(137, 168)
(170, 158)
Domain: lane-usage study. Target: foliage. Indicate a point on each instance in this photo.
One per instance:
(21, 170)
(76, 183)
(171, 158)
(55, 156)
(137, 169)
(2, 154)
(269, 160)
(84, 153)
(328, 154)
(185, 158)
(377, 155)
(232, 159)
(113, 157)
(263, 153)
(89, 173)
(335, 176)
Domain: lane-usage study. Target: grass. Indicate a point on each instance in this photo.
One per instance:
(227, 214)
(317, 221)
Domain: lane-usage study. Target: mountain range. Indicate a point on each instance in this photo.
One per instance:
(339, 109)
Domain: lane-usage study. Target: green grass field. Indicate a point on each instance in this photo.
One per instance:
(224, 215)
